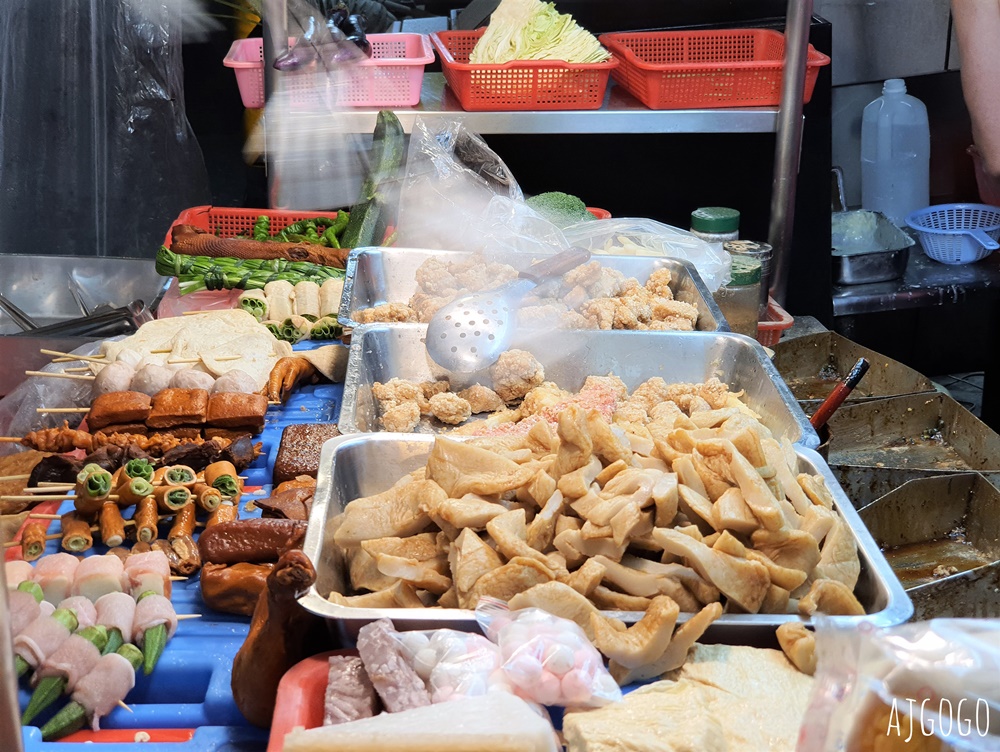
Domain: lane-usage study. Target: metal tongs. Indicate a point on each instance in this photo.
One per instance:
(104, 321)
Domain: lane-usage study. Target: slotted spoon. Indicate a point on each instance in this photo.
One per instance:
(470, 333)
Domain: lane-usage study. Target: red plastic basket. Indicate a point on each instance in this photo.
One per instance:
(520, 84)
(228, 222)
(392, 77)
(675, 70)
(778, 320)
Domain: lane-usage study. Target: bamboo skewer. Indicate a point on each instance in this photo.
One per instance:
(6, 478)
(39, 497)
(121, 704)
(198, 360)
(70, 356)
(77, 369)
(66, 410)
(59, 375)
(182, 617)
(49, 489)
(11, 544)
(11, 440)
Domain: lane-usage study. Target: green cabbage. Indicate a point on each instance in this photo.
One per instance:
(534, 30)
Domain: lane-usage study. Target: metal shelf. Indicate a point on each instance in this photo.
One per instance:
(620, 113)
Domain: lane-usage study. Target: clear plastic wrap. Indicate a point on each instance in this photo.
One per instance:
(451, 177)
(18, 410)
(94, 140)
(454, 664)
(647, 237)
(934, 685)
(547, 659)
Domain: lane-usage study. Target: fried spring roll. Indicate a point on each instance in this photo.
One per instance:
(171, 498)
(145, 521)
(33, 541)
(206, 497)
(223, 477)
(112, 524)
(225, 512)
(76, 532)
(91, 492)
(132, 491)
(184, 522)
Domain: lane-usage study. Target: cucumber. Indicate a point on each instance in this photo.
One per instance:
(385, 159)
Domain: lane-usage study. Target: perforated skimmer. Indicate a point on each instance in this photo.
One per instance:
(470, 333)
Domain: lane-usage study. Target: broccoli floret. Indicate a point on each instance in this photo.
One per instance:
(561, 209)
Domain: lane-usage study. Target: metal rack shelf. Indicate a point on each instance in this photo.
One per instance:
(620, 113)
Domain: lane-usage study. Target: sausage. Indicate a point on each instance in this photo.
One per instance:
(227, 512)
(234, 589)
(145, 521)
(184, 522)
(76, 533)
(250, 540)
(112, 525)
(172, 558)
(277, 639)
(187, 553)
(33, 541)
(171, 498)
(206, 497)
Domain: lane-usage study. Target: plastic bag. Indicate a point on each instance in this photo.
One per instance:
(94, 140)
(939, 678)
(547, 659)
(647, 237)
(451, 177)
(454, 664)
(18, 409)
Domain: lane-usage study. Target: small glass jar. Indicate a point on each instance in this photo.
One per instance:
(715, 224)
(762, 253)
(739, 299)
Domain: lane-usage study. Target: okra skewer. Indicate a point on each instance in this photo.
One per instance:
(50, 688)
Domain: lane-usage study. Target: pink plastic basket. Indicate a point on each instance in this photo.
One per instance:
(392, 77)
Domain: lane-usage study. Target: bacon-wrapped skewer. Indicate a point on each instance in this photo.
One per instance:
(61, 671)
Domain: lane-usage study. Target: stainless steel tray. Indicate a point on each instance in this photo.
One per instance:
(924, 513)
(876, 255)
(356, 466)
(380, 352)
(877, 446)
(376, 276)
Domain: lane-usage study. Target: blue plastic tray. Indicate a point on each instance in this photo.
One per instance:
(190, 687)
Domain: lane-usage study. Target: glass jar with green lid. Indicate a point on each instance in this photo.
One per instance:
(715, 224)
(739, 299)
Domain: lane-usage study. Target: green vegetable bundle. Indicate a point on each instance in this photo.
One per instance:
(196, 273)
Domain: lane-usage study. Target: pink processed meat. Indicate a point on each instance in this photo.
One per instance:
(152, 611)
(74, 659)
(148, 571)
(396, 682)
(86, 614)
(24, 609)
(104, 686)
(55, 574)
(116, 610)
(47, 608)
(39, 639)
(350, 695)
(16, 572)
(98, 575)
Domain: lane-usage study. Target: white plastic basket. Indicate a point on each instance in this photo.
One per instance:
(957, 233)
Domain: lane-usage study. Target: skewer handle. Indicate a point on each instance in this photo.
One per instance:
(58, 375)
(71, 356)
(62, 410)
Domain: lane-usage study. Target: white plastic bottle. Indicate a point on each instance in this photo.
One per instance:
(895, 153)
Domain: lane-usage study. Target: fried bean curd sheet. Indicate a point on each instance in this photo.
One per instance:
(673, 500)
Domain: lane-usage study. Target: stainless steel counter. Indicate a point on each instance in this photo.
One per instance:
(925, 283)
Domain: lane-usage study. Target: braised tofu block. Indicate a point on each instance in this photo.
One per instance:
(300, 448)
(237, 410)
(118, 408)
(178, 407)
